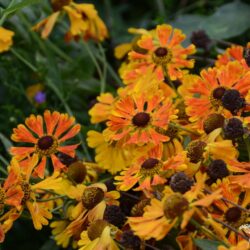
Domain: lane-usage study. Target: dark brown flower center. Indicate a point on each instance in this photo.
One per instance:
(233, 101)
(77, 172)
(180, 182)
(219, 92)
(96, 228)
(150, 163)
(175, 205)
(141, 119)
(233, 214)
(217, 170)
(234, 129)
(92, 196)
(195, 150)
(161, 52)
(114, 215)
(213, 122)
(45, 142)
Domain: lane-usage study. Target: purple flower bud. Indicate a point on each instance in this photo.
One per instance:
(40, 97)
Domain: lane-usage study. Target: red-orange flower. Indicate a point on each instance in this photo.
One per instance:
(163, 49)
(234, 53)
(217, 91)
(45, 142)
(138, 119)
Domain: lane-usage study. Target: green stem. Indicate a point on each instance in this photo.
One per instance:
(92, 56)
(51, 199)
(21, 58)
(5, 15)
(111, 71)
(104, 75)
(59, 52)
(57, 208)
(184, 129)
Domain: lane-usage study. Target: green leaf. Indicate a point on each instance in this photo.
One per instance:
(207, 244)
(228, 21)
(6, 142)
(18, 6)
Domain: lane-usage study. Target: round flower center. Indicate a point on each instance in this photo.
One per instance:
(180, 182)
(26, 190)
(141, 119)
(234, 129)
(161, 52)
(150, 167)
(130, 241)
(46, 145)
(77, 172)
(175, 205)
(114, 216)
(57, 5)
(96, 228)
(92, 196)
(195, 150)
(162, 56)
(217, 170)
(150, 163)
(213, 122)
(215, 97)
(232, 101)
(219, 92)
(233, 214)
(45, 142)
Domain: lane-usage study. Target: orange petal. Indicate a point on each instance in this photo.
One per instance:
(21, 151)
(51, 120)
(22, 134)
(71, 133)
(64, 123)
(49, 24)
(164, 31)
(39, 171)
(35, 123)
(58, 166)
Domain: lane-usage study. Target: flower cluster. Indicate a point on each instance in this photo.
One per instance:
(167, 149)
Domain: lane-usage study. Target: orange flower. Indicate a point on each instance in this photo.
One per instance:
(230, 214)
(137, 119)
(38, 211)
(164, 50)
(45, 143)
(214, 91)
(6, 222)
(161, 215)
(149, 170)
(234, 53)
